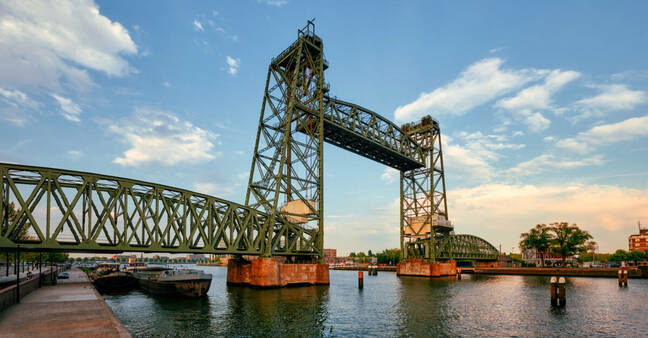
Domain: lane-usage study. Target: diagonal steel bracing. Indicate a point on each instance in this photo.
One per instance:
(55, 209)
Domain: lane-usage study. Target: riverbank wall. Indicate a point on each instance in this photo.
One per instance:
(362, 268)
(572, 272)
(27, 285)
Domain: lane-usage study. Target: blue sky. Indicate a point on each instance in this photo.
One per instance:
(543, 106)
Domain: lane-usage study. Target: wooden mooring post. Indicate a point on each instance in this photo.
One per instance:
(360, 279)
(558, 292)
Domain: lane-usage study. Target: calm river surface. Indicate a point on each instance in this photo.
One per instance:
(392, 306)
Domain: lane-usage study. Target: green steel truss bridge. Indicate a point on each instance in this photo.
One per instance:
(56, 209)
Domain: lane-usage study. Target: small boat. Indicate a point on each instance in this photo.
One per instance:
(165, 281)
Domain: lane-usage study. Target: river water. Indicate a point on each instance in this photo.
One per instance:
(393, 306)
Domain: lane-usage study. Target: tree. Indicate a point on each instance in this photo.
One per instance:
(538, 238)
(370, 254)
(568, 239)
(618, 256)
(389, 256)
(21, 233)
(353, 254)
(636, 256)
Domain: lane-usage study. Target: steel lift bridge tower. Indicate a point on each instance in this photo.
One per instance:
(298, 116)
(48, 209)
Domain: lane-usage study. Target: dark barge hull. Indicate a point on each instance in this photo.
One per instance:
(194, 288)
(115, 283)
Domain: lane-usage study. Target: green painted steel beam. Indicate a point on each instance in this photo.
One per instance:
(54, 209)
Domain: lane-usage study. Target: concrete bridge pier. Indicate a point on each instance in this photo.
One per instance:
(419, 267)
(270, 273)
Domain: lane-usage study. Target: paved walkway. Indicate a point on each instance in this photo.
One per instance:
(73, 308)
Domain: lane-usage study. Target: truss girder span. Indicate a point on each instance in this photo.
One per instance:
(54, 209)
(465, 247)
(368, 134)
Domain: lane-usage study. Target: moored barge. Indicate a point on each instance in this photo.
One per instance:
(165, 281)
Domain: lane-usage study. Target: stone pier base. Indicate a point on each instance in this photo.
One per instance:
(418, 267)
(268, 272)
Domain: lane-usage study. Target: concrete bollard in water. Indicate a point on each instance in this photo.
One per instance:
(458, 273)
(360, 279)
(562, 295)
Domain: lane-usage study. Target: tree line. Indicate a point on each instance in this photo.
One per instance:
(559, 237)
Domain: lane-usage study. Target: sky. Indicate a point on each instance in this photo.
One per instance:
(543, 106)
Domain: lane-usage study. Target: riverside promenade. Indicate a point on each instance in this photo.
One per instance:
(72, 308)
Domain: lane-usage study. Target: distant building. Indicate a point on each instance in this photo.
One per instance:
(123, 257)
(330, 255)
(196, 257)
(550, 259)
(639, 242)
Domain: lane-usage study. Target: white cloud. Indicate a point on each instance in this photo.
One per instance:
(626, 130)
(549, 162)
(474, 159)
(136, 27)
(525, 106)
(496, 50)
(213, 189)
(481, 82)
(160, 137)
(167, 84)
(501, 212)
(69, 109)
(539, 96)
(613, 97)
(17, 106)
(518, 133)
(471, 163)
(390, 174)
(233, 65)
(198, 26)
(277, 3)
(549, 139)
(536, 122)
(42, 43)
(243, 175)
(630, 75)
(74, 154)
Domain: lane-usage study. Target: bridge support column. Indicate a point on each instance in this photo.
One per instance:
(418, 267)
(269, 273)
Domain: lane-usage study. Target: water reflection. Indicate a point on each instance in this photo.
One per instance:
(391, 306)
(424, 305)
(298, 311)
